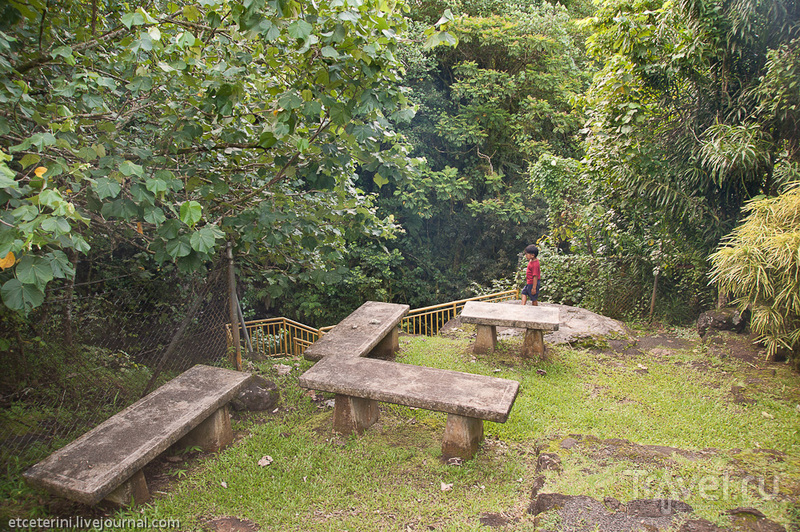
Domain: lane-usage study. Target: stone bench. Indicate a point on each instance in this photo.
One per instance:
(488, 316)
(371, 330)
(360, 383)
(106, 462)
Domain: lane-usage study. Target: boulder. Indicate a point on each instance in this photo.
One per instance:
(726, 319)
(259, 394)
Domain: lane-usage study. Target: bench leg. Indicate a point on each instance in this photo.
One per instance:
(462, 436)
(387, 347)
(353, 414)
(486, 340)
(212, 434)
(533, 344)
(132, 491)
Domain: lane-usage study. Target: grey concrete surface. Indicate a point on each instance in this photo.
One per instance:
(454, 392)
(360, 332)
(505, 315)
(95, 464)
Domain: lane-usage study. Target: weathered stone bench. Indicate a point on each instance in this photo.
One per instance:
(360, 383)
(106, 462)
(488, 316)
(371, 330)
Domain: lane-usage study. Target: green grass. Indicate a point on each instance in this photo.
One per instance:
(392, 477)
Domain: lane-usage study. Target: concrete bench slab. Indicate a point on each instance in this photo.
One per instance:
(488, 316)
(467, 399)
(106, 462)
(371, 330)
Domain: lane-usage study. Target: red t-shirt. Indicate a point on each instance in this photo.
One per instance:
(533, 271)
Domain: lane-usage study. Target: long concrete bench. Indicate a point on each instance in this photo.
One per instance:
(488, 316)
(106, 462)
(360, 383)
(371, 330)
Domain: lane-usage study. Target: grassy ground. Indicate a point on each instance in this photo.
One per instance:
(672, 418)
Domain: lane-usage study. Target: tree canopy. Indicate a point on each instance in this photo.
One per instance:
(175, 127)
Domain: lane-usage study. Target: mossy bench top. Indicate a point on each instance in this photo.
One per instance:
(95, 464)
(441, 390)
(358, 333)
(508, 315)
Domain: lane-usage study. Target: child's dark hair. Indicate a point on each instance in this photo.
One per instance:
(533, 250)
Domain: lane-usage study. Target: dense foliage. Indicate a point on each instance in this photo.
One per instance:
(759, 265)
(172, 128)
(488, 107)
(347, 156)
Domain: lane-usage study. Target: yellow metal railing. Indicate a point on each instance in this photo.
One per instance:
(277, 336)
(282, 336)
(427, 321)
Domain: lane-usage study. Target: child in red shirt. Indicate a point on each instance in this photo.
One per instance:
(533, 276)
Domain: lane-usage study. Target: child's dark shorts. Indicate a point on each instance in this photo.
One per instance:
(528, 290)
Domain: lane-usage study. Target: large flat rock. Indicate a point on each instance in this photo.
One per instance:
(358, 333)
(441, 390)
(505, 315)
(92, 466)
(580, 324)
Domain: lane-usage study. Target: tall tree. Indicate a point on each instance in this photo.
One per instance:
(686, 111)
(488, 107)
(692, 114)
(176, 126)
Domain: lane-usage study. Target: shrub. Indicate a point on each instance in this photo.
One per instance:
(759, 265)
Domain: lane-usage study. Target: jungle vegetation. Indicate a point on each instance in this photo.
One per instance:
(404, 151)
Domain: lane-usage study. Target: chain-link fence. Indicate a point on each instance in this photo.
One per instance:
(627, 287)
(99, 345)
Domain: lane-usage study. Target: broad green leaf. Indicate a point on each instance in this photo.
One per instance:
(205, 239)
(50, 198)
(62, 51)
(132, 19)
(330, 52)
(57, 224)
(157, 186)
(267, 140)
(29, 160)
(170, 229)
(140, 84)
(191, 213)
(34, 270)
(380, 180)
(61, 265)
(340, 115)
(129, 168)
(186, 39)
(300, 30)
(120, 208)
(290, 101)
(7, 182)
(178, 247)
(154, 215)
(21, 297)
(106, 188)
